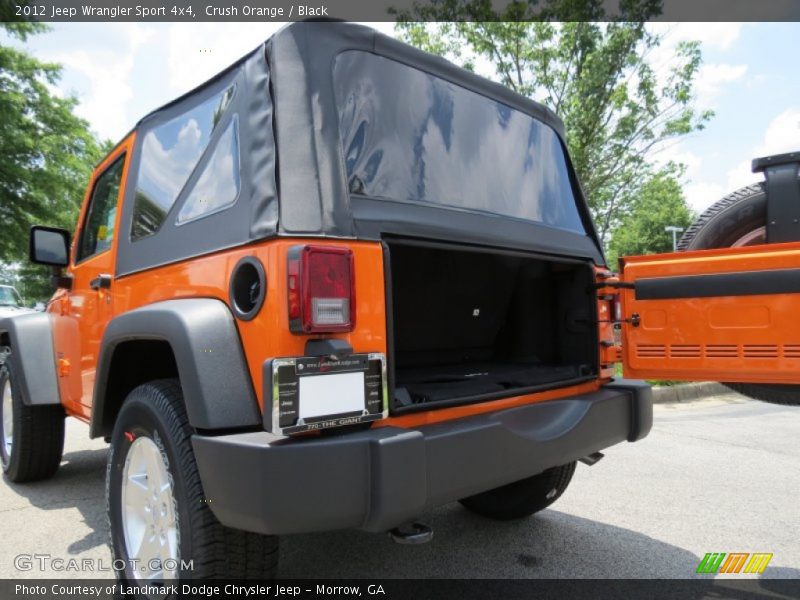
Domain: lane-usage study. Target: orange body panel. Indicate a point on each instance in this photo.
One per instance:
(457, 412)
(747, 338)
(81, 315)
(267, 335)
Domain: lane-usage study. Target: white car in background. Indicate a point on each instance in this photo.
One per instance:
(11, 302)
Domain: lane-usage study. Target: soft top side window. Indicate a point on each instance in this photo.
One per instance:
(170, 153)
(218, 185)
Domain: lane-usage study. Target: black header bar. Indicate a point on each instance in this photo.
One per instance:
(392, 10)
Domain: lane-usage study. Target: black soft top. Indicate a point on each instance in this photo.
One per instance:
(293, 178)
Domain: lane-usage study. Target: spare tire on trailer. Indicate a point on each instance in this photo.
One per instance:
(739, 219)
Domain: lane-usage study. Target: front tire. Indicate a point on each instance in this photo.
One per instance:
(522, 498)
(739, 219)
(31, 437)
(161, 525)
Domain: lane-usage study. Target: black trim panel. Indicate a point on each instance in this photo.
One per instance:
(31, 339)
(380, 478)
(211, 364)
(748, 283)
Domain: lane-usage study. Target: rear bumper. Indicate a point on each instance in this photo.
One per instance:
(383, 477)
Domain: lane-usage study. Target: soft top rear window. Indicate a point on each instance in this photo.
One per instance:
(411, 136)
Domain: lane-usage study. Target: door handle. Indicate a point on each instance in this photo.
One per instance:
(102, 281)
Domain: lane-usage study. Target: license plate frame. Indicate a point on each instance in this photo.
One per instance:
(283, 386)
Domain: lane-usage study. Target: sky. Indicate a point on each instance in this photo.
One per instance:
(121, 71)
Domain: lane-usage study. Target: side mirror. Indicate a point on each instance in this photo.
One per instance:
(49, 246)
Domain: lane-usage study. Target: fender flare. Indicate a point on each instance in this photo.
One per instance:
(33, 357)
(216, 383)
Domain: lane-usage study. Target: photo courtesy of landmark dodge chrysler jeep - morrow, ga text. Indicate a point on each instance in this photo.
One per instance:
(341, 283)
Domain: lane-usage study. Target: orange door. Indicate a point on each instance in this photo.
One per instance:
(83, 313)
(730, 315)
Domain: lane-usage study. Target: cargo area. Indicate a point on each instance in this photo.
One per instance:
(470, 325)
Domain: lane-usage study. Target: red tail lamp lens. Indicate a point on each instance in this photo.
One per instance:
(321, 289)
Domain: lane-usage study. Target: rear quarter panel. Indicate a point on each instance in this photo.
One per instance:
(267, 335)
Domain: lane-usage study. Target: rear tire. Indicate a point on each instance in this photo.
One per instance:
(739, 219)
(31, 437)
(522, 498)
(154, 418)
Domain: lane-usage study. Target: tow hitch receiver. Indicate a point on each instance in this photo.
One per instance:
(592, 459)
(412, 533)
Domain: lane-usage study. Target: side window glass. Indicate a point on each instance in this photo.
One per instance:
(170, 152)
(218, 185)
(98, 228)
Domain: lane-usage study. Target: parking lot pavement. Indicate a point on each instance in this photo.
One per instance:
(719, 475)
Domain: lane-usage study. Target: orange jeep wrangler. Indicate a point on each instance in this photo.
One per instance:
(339, 284)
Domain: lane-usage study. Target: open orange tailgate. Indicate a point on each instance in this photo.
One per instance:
(730, 315)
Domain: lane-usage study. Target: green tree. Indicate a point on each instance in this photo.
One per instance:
(660, 203)
(46, 155)
(597, 76)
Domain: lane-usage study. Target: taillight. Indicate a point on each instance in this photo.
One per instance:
(321, 289)
(616, 308)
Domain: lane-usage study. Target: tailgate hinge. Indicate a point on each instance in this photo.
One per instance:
(617, 285)
(609, 291)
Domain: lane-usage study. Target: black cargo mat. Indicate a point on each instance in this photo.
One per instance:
(435, 384)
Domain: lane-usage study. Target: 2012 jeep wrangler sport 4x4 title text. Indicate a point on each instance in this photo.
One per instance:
(340, 283)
